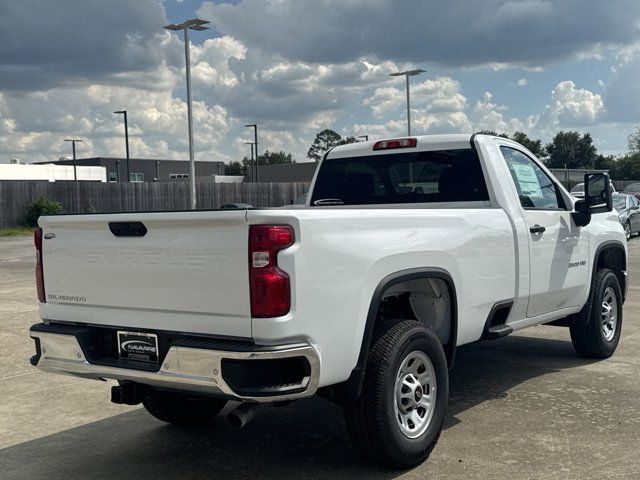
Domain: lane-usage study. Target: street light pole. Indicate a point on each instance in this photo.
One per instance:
(193, 24)
(407, 74)
(251, 162)
(255, 146)
(75, 163)
(126, 140)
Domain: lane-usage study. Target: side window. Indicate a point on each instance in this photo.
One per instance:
(535, 187)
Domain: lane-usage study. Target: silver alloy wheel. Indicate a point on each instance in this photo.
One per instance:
(627, 230)
(415, 394)
(609, 314)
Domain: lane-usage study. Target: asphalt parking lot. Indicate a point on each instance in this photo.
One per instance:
(522, 407)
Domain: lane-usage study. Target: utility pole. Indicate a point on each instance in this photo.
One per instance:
(251, 162)
(126, 141)
(75, 163)
(255, 147)
(198, 25)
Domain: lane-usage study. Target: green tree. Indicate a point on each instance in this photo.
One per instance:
(534, 146)
(40, 206)
(347, 140)
(571, 150)
(606, 162)
(276, 158)
(326, 140)
(633, 141)
(492, 133)
(625, 167)
(234, 168)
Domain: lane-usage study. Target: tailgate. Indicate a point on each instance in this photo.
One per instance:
(188, 273)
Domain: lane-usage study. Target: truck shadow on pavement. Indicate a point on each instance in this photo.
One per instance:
(306, 439)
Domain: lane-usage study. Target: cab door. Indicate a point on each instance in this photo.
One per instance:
(558, 249)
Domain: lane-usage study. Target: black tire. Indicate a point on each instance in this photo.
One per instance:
(627, 230)
(371, 419)
(587, 334)
(181, 409)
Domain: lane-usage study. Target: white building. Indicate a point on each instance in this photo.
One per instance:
(51, 173)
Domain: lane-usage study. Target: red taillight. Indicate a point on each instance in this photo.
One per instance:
(270, 287)
(395, 143)
(37, 240)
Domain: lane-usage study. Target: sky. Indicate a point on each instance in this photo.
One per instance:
(296, 67)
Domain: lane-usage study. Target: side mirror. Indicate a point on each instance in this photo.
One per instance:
(597, 198)
(597, 192)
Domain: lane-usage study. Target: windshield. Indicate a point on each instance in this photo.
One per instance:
(578, 188)
(633, 188)
(407, 177)
(619, 202)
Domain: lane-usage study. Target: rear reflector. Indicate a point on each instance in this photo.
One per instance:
(395, 143)
(37, 240)
(270, 286)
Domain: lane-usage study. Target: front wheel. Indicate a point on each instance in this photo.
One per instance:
(181, 409)
(398, 417)
(627, 230)
(598, 335)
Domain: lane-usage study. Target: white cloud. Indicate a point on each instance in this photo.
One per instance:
(522, 82)
(487, 115)
(434, 95)
(210, 62)
(572, 107)
(157, 123)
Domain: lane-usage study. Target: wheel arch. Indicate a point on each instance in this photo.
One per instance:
(351, 388)
(611, 254)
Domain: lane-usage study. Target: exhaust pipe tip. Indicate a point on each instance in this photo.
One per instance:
(241, 416)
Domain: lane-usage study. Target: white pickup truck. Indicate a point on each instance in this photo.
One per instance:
(406, 249)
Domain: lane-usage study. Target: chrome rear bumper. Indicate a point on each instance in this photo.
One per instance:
(184, 368)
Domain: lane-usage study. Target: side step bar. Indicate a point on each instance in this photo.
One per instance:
(496, 325)
(498, 331)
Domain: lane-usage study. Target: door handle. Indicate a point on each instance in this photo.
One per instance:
(537, 229)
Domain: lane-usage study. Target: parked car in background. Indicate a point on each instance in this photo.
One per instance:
(300, 202)
(235, 206)
(633, 189)
(628, 208)
(578, 190)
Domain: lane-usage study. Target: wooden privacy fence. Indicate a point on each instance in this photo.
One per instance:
(89, 197)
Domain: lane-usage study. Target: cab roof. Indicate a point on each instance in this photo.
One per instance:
(424, 143)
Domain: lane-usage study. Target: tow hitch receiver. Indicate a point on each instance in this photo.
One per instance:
(129, 393)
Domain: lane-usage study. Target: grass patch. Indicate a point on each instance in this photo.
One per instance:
(16, 231)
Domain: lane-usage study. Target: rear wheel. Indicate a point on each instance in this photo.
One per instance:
(598, 335)
(181, 409)
(398, 418)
